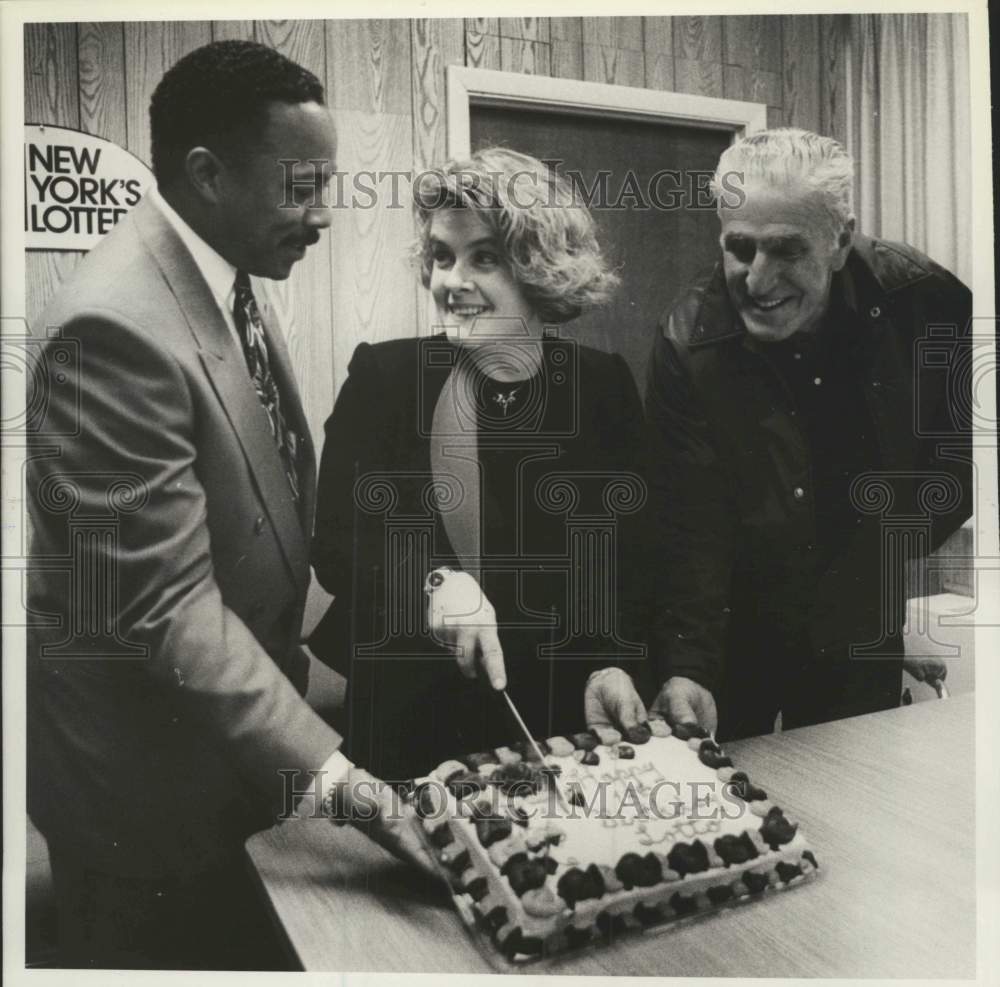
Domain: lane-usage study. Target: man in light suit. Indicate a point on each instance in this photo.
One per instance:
(171, 489)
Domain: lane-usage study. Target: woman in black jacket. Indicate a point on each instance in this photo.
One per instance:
(489, 472)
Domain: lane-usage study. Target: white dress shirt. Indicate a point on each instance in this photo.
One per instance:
(220, 276)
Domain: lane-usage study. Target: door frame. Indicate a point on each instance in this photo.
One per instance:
(487, 87)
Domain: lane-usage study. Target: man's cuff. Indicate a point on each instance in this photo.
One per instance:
(334, 770)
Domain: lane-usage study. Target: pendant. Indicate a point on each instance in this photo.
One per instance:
(506, 400)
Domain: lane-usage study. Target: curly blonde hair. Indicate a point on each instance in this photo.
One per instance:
(547, 236)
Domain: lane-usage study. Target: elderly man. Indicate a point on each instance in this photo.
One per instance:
(789, 405)
(165, 686)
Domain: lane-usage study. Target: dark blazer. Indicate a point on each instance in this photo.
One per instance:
(170, 571)
(380, 530)
(732, 470)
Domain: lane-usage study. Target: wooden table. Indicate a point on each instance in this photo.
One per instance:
(887, 801)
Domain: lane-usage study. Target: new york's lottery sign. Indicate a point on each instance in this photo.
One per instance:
(76, 187)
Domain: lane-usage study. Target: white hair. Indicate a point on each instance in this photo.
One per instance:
(788, 156)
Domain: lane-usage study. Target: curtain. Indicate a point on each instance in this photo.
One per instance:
(909, 132)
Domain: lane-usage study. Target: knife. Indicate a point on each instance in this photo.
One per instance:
(537, 749)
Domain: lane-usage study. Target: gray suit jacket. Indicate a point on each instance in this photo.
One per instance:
(170, 569)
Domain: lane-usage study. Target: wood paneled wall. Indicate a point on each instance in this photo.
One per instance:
(385, 82)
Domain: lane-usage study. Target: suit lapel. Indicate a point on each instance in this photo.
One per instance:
(226, 369)
(185, 281)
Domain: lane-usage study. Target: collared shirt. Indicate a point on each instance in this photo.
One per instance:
(219, 274)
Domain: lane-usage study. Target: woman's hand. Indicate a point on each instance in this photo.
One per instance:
(463, 619)
(610, 700)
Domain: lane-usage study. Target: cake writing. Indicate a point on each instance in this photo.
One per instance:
(685, 830)
(655, 808)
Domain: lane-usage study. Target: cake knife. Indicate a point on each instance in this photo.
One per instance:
(537, 749)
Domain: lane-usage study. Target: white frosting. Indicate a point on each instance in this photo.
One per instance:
(663, 796)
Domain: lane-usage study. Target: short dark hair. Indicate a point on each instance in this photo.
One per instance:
(218, 93)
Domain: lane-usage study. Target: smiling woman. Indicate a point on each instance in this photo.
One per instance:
(484, 448)
(505, 247)
(535, 219)
(470, 281)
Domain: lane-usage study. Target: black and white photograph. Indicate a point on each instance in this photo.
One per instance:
(498, 495)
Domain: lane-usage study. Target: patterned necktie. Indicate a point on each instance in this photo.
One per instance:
(251, 333)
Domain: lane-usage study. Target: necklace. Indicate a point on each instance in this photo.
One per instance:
(506, 400)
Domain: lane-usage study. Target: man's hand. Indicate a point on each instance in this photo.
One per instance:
(682, 700)
(463, 619)
(383, 816)
(925, 669)
(610, 700)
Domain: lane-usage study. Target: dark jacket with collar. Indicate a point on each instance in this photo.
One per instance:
(379, 531)
(731, 468)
